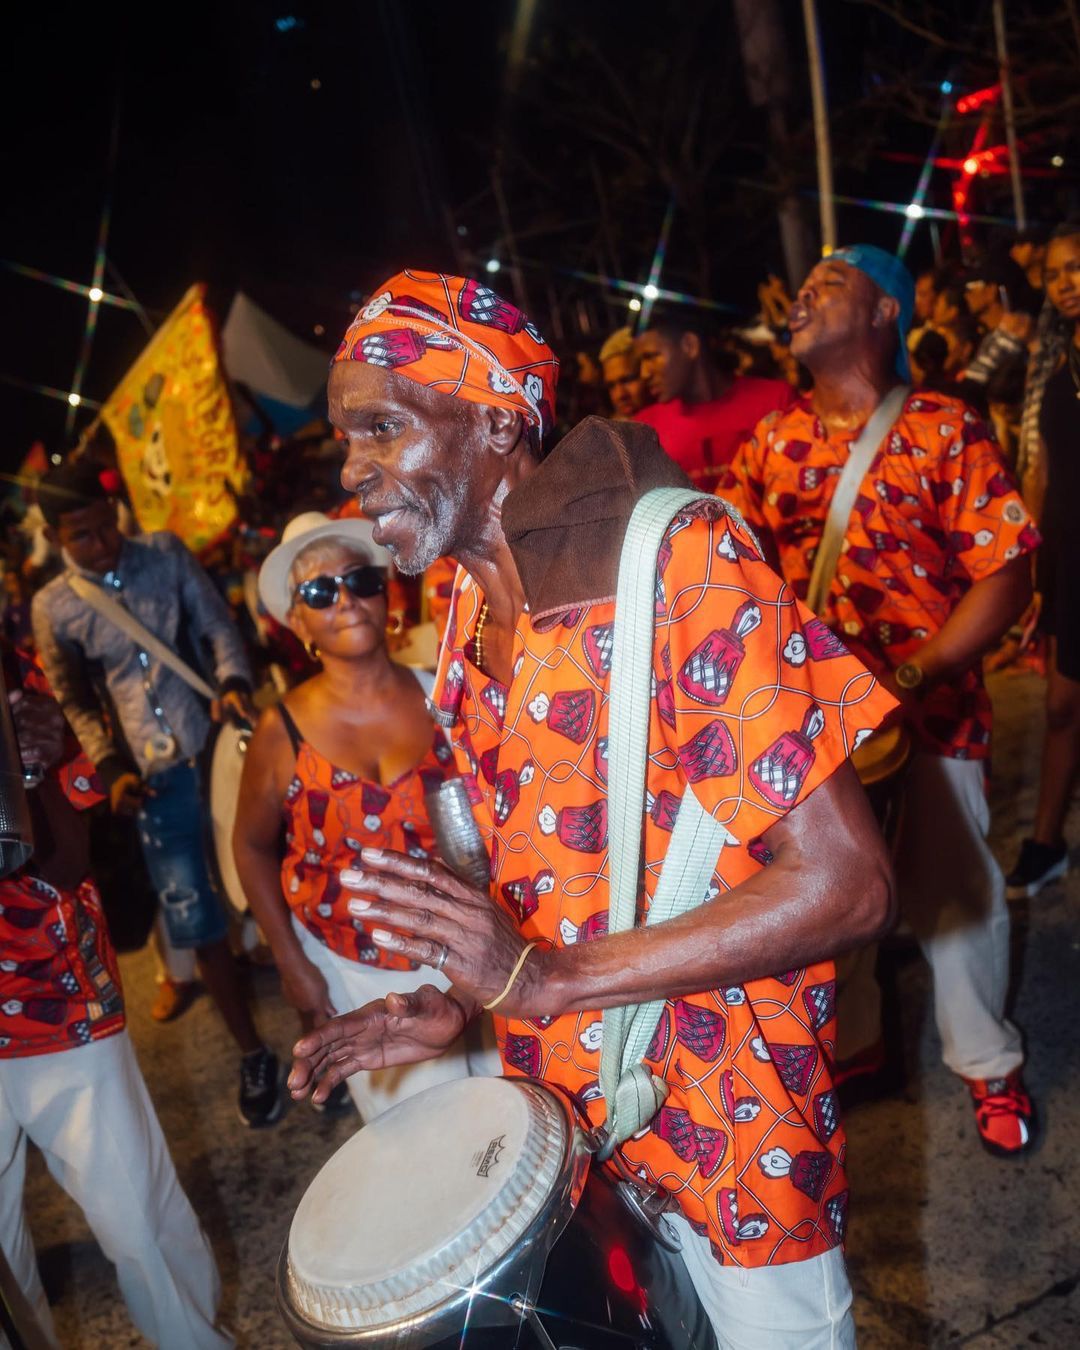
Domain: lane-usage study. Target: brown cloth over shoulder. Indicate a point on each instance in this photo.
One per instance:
(565, 523)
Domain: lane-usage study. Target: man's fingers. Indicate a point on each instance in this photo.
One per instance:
(387, 862)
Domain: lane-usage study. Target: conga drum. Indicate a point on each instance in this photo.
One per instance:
(226, 770)
(469, 1216)
(880, 761)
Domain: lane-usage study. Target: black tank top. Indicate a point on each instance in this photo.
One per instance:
(1059, 427)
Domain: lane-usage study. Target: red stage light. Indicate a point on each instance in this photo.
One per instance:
(621, 1271)
(978, 98)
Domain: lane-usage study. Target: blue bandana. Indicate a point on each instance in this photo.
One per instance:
(890, 275)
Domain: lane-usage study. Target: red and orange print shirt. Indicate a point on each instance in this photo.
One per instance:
(755, 704)
(937, 511)
(330, 815)
(59, 979)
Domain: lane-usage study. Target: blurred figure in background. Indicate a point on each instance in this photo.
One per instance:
(1050, 464)
(702, 414)
(621, 368)
(144, 727)
(69, 1080)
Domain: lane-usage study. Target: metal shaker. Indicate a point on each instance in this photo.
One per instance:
(457, 834)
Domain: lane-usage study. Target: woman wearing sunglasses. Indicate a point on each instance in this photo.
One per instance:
(341, 764)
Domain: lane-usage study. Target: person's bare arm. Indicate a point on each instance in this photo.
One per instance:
(256, 851)
(828, 890)
(980, 620)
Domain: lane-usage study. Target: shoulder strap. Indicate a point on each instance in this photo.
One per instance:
(863, 449)
(291, 729)
(128, 624)
(633, 1095)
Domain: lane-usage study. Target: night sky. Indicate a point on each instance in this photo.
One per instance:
(233, 169)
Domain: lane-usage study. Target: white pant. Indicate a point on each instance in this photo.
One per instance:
(801, 1305)
(952, 894)
(351, 984)
(88, 1111)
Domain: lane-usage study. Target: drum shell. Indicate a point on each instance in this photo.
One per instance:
(597, 1279)
(226, 769)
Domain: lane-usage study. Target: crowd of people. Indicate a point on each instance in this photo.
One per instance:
(883, 462)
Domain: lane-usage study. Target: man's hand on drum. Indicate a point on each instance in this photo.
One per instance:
(397, 1029)
(421, 910)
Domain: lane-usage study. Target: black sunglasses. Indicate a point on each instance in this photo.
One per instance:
(322, 592)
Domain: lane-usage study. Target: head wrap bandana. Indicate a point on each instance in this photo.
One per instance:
(890, 275)
(457, 336)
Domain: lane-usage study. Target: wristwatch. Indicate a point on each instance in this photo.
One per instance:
(909, 675)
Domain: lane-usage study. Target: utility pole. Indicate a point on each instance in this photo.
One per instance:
(821, 128)
(1010, 117)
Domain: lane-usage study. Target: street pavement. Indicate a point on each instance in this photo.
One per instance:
(947, 1246)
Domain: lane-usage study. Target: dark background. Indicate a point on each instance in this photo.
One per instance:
(231, 168)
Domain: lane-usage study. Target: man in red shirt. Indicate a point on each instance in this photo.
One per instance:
(69, 1080)
(933, 568)
(701, 414)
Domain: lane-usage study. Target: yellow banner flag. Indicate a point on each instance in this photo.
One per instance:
(175, 434)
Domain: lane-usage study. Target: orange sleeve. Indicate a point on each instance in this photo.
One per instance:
(759, 701)
(981, 511)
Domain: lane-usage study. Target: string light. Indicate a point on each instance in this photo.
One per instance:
(650, 292)
(914, 211)
(634, 304)
(74, 400)
(492, 265)
(96, 295)
(1057, 161)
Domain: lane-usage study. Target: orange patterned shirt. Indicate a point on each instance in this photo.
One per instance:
(937, 511)
(330, 815)
(749, 1139)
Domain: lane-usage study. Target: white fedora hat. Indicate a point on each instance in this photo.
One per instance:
(301, 531)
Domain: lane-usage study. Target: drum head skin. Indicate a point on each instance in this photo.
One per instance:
(421, 1203)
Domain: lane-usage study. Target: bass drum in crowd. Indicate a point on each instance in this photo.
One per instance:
(469, 1216)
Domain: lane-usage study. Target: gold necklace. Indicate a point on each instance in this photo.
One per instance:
(478, 636)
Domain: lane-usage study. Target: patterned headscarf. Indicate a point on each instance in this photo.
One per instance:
(459, 337)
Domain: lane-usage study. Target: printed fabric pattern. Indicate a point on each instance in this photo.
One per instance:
(937, 512)
(59, 978)
(330, 815)
(754, 703)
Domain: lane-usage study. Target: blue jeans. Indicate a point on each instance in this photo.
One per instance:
(172, 831)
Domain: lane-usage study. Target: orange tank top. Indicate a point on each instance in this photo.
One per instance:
(330, 815)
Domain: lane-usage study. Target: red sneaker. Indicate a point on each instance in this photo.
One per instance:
(1004, 1115)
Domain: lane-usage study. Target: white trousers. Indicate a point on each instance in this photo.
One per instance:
(351, 984)
(952, 894)
(801, 1305)
(89, 1113)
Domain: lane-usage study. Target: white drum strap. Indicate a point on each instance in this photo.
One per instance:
(632, 1093)
(860, 457)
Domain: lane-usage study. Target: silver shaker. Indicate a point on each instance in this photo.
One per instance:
(457, 834)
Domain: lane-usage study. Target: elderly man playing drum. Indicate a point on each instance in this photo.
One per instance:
(444, 392)
(927, 545)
